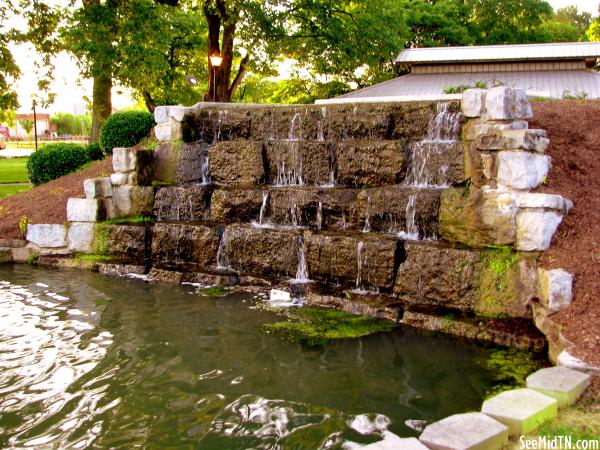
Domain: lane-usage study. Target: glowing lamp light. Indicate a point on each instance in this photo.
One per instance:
(216, 60)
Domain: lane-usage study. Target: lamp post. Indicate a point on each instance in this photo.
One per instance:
(35, 125)
(215, 62)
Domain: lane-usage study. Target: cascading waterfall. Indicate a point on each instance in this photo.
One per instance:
(367, 226)
(291, 136)
(222, 259)
(442, 134)
(289, 164)
(263, 208)
(359, 259)
(205, 169)
(320, 215)
(289, 175)
(301, 271)
(412, 232)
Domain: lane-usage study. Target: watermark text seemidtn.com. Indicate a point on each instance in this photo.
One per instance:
(559, 443)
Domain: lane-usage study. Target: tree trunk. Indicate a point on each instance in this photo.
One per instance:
(220, 87)
(101, 103)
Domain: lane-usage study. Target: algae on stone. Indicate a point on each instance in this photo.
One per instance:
(316, 326)
(507, 283)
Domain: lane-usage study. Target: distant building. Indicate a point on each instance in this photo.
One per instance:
(545, 70)
(43, 125)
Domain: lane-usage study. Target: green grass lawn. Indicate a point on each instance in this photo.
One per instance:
(13, 170)
(10, 189)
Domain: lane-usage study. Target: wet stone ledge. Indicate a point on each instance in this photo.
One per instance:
(184, 243)
(398, 121)
(183, 203)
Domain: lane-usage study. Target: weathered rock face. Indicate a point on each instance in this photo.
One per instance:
(311, 122)
(398, 209)
(293, 207)
(235, 205)
(299, 162)
(366, 262)
(478, 217)
(438, 276)
(176, 244)
(370, 163)
(236, 163)
(183, 203)
(259, 251)
(491, 283)
(127, 242)
(435, 163)
(178, 162)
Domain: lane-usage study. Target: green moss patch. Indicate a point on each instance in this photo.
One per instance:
(93, 258)
(215, 291)
(316, 326)
(137, 220)
(510, 367)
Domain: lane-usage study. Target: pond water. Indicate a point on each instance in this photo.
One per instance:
(92, 361)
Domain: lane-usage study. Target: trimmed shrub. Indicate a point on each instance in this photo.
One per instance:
(94, 152)
(55, 160)
(125, 129)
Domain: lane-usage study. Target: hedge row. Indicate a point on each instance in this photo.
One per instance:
(125, 129)
(55, 160)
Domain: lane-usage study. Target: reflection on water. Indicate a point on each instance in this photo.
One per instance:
(87, 360)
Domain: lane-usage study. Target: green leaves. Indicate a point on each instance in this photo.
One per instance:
(125, 129)
(55, 160)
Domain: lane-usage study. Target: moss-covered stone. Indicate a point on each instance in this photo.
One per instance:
(478, 217)
(507, 283)
(316, 326)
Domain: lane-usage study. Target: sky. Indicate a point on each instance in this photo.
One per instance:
(70, 88)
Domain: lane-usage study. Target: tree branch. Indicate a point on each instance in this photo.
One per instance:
(239, 76)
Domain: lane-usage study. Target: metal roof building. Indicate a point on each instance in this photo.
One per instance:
(545, 70)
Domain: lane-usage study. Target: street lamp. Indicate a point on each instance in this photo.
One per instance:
(34, 124)
(215, 61)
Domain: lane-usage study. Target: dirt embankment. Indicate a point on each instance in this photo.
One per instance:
(46, 203)
(574, 131)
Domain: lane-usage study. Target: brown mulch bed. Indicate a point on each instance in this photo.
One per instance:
(574, 131)
(46, 203)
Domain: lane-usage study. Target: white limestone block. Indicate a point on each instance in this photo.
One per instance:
(521, 106)
(80, 236)
(535, 229)
(527, 139)
(168, 131)
(563, 384)
(465, 431)
(565, 359)
(119, 179)
(521, 170)
(47, 235)
(473, 102)
(132, 200)
(555, 288)
(162, 114)
(505, 103)
(86, 210)
(543, 201)
(97, 188)
(123, 159)
(521, 410)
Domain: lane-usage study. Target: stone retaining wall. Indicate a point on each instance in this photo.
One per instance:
(412, 210)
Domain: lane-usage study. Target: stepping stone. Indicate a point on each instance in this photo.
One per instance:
(470, 431)
(521, 410)
(563, 384)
